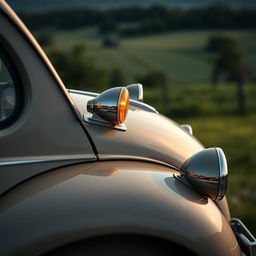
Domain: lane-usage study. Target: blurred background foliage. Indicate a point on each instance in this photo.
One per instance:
(197, 66)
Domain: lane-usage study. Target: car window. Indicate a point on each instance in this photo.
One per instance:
(8, 92)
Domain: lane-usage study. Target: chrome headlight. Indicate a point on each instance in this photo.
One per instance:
(207, 172)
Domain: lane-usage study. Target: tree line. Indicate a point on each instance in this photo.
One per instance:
(144, 20)
(80, 71)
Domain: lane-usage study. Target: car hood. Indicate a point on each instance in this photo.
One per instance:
(149, 136)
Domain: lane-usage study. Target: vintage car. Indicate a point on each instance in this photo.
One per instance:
(101, 174)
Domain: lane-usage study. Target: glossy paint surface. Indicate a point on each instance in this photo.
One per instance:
(110, 197)
(148, 135)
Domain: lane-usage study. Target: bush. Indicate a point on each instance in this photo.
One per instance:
(117, 78)
(45, 38)
(152, 79)
(217, 43)
(79, 71)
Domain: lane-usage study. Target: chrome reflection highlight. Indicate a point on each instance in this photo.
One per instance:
(109, 108)
(207, 172)
(223, 171)
(135, 91)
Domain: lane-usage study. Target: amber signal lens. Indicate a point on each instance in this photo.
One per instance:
(123, 105)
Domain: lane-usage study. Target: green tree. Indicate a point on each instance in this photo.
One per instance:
(78, 70)
(217, 42)
(108, 25)
(157, 79)
(230, 64)
(45, 38)
(117, 78)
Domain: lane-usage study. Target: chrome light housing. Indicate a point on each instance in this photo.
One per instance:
(187, 128)
(109, 108)
(207, 172)
(135, 91)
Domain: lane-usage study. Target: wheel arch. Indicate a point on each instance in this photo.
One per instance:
(121, 244)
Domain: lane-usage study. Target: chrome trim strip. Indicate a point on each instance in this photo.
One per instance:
(35, 161)
(21, 162)
(133, 103)
(143, 106)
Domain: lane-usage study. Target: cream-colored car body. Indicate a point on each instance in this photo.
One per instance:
(63, 180)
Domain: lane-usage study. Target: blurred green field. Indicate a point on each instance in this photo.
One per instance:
(202, 100)
(181, 55)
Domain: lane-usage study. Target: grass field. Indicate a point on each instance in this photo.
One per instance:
(181, 55)
(202, 100)
(211, 112)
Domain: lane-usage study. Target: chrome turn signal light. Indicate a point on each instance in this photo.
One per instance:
(122, 105)
(109, 108)
(135, 91)
(206, 172)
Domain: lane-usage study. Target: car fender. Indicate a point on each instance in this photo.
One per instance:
(110, 197)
